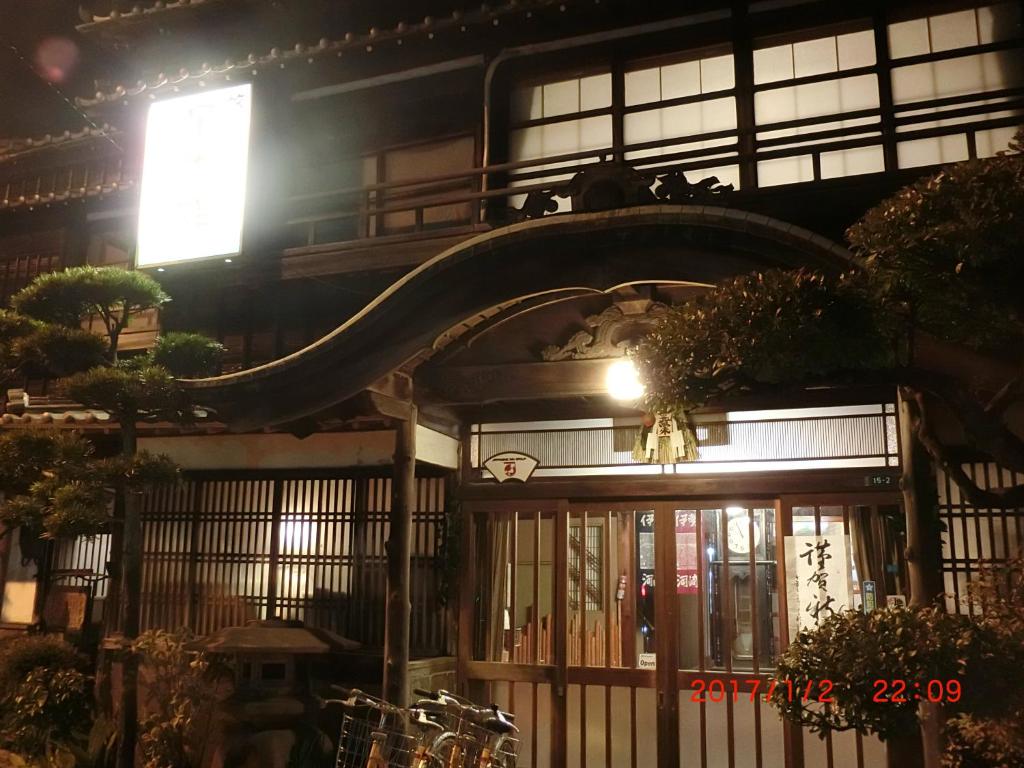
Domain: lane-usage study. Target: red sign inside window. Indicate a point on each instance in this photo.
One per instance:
(686, 552)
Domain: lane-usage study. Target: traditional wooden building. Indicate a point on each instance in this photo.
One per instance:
(457, 219)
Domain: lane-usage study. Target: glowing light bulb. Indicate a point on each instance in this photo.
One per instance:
(623, 381)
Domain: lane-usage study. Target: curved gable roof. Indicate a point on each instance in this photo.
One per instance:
(588, 252)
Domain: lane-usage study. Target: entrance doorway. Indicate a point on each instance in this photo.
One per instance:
(641, 633)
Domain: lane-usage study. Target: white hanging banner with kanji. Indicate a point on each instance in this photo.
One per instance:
(666, 443)
(817, 579)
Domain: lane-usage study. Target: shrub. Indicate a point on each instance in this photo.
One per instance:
(983, 652)
(990, 734)
(131, 392)
(55, 350)
(20, 655)
(766, 329)
(188, 355)
(44, 696)
(181, 700)
(68, 297)
(983, 742)
(853, 650)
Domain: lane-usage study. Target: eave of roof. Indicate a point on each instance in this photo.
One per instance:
(99, 422)
(67, 195)
(139, 12)
(69, 418)
(351, 42)
(15, 149)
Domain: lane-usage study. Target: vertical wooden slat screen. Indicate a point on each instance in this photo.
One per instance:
(219, 551)
(974, 536)
(167, 588)
(24, 257)
(233, 561)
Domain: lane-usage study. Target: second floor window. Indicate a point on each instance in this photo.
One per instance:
(945, 59)
(818, 105)
(678, 109)
(565, 117)
(690, 100)
(805, 90)
(418, 206)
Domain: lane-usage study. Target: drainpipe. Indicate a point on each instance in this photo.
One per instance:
(580, 41)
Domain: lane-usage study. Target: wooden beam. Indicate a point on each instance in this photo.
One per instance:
(440, 419)
(399, 410)
(399, 549)
(397, 386)
(387, 252)
(474, 384)
(754, 485)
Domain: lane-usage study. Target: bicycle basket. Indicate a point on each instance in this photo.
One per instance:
(357, 737)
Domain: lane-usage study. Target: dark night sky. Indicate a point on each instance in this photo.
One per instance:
(28, 106)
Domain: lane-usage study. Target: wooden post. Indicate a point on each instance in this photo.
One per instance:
(6, 535)
(275, 549)
(399, 549)
(919, 499)
(923, 572)
(743, 52)
(792, 734)
(131, 599)
(560, 687)
(666, 638)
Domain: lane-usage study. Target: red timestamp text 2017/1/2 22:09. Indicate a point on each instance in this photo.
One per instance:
(717, 690)
(902, 691)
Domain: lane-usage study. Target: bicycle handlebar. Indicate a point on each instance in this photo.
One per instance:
(355, 697)
(467, 707)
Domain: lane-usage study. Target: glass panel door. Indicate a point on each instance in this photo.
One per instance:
(611, 696)
(727, 615)
(726, 587)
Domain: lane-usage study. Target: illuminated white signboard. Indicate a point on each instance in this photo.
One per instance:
(193, 177)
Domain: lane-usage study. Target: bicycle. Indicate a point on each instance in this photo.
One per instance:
(441, 730)
(375, 738)
(472, 736)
